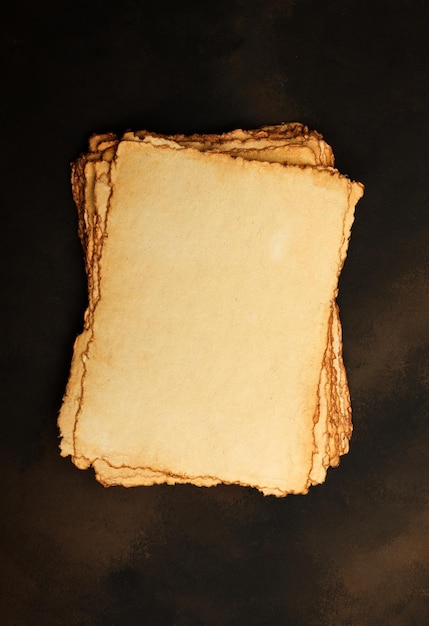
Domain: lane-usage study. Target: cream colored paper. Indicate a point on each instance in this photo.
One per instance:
(212, 343)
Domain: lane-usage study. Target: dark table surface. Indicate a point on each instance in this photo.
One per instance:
(353, 551)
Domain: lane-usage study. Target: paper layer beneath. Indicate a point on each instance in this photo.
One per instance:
(212, 343)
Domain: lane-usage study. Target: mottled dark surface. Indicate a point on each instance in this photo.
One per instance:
(354, 551)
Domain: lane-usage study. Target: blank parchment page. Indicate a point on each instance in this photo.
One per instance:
(217, 278)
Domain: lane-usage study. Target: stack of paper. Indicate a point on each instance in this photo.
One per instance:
(211, 350)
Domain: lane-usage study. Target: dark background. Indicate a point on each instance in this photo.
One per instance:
(354, 551)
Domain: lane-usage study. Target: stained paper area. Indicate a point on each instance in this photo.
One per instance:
(212, 343)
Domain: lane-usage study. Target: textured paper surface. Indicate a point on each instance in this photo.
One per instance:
(212, 343)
